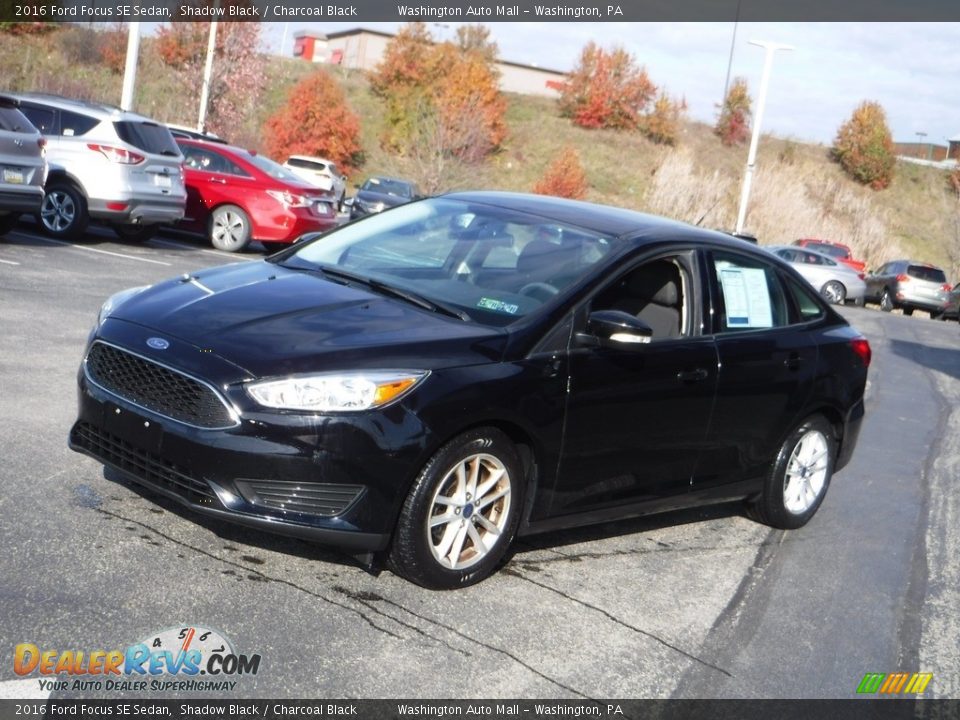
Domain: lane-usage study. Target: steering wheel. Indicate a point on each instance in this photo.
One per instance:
(539, 290)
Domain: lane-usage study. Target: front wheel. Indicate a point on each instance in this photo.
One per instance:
(800, 476)
(461, 515)
(230, 229)
(834, 293)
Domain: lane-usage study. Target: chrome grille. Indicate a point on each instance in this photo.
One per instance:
(157, 388)
(323, 500)
(150, 468)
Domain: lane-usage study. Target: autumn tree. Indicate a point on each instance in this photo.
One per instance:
(238, 70)
(112, 46)
(864, 146)
(733, 123)
(316, 120)
(564, 177)
(476, 39)
(607, 89)
(443, 103)
(662, 123)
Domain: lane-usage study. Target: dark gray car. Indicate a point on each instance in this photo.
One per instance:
(381, 193)
(910, 286)
(23, 166)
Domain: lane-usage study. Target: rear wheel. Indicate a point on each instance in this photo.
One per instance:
(886, 301)
(461, 515)
(63, 213)
(229, 228)
(800, 476)
(834, 293)
(135, 233)
(7, 222)
(908, 311)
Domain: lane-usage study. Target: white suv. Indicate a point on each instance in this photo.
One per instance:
(319, 172)
(105, 164)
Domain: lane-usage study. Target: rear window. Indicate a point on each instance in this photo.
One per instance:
(12, 120)
(306, 164)
(930, 274)
(149, 137)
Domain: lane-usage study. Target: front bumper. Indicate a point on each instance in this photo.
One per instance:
(262, 472)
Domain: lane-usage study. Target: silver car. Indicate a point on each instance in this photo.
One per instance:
(23, 167)
(319, 172)
(909, 285)
(835, 281)
(105, 164)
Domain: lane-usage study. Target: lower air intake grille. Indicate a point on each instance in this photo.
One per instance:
(317, 499)
(157, 388)
(146, 466)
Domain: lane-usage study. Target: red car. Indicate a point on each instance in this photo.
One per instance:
(838, 251)
(235, 196)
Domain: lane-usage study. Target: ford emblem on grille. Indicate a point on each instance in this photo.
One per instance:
(158, 343)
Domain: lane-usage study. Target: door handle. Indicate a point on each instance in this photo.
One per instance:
(692, 376)
(218, 180)
(793, 362)
(552, 368)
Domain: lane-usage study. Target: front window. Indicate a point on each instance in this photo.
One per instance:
(493, 265)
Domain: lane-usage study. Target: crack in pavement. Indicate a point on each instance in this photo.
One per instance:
(618, 621)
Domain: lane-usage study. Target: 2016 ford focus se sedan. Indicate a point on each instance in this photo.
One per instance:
(435, 380)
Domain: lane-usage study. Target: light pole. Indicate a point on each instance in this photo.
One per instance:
(130, 68)
(771, 48)
(207, 77)
(920, 137)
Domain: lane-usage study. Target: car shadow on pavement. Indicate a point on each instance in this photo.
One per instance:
(941, 359)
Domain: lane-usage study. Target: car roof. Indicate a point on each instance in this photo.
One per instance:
(311, 158)
(103, 110)
(603, 219)
(212, 144)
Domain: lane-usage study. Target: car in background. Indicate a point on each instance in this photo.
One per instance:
(185, 132)
(909, 286)
(106, 164)
(952, 311)
(836, 282)
(838, 251)
(235, 196)
(433, 381)
(380, 193)
(23, 165)
(320, 172)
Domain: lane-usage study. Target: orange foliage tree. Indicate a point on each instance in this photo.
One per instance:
(606, 90)
(443, 101)
(564, 177)
(733, 124)
(864, 146)
(316, 120)
(662, 123)
(112, 47)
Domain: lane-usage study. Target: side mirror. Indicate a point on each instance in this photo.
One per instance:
(348, 202)
(614, 329)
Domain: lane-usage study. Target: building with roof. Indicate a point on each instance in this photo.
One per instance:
(362, 49)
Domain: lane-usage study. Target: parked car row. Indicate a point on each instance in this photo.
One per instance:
(70, 162)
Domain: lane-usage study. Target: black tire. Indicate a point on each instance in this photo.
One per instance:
(135, 233)
(63, 213)
(834, 292)
(886, 301)
(426, 553)
(908, 312)
(778, 506)
(273, 247)
(230, 229)
(8, 222)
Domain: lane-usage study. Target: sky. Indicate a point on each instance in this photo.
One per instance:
(911, 69)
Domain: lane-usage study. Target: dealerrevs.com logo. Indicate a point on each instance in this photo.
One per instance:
(181, 659)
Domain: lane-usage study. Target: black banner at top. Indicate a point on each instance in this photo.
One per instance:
(478, 11)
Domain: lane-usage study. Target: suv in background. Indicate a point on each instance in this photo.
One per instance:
(321, 173)
(23, 167)
(106, 164)
(838, 251)
(910, 286)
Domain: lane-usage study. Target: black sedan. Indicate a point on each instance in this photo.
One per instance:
(381, 193)
(434, 380)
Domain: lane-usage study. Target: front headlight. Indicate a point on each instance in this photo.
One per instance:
(116, 300)
(336, 392)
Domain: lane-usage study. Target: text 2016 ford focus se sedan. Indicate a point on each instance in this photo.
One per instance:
(435, 380)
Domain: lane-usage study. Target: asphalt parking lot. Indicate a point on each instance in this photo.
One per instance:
(697, 604)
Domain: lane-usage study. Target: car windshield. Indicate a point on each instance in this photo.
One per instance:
(488, 264)
(834, 251)
(271, 168)
(930, 274)
(388, 187)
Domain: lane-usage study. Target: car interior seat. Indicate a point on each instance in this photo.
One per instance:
(652, 294)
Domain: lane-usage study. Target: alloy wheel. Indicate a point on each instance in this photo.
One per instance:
(58, 211)
(806, 473)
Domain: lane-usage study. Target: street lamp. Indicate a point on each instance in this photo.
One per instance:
(771, 48)
(920, 137)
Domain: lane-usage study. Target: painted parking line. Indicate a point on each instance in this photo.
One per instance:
(95, 250)
(22, 690)
(184, 246)
(8, 262)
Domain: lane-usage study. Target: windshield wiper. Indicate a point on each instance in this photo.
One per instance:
(387, 289)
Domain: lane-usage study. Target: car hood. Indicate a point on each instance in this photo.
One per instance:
(269, 320)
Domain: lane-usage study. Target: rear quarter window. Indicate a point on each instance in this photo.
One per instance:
(149, 137)
(44, 119)
(76, 124)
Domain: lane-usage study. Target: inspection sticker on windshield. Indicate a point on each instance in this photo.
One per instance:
(497, 306)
